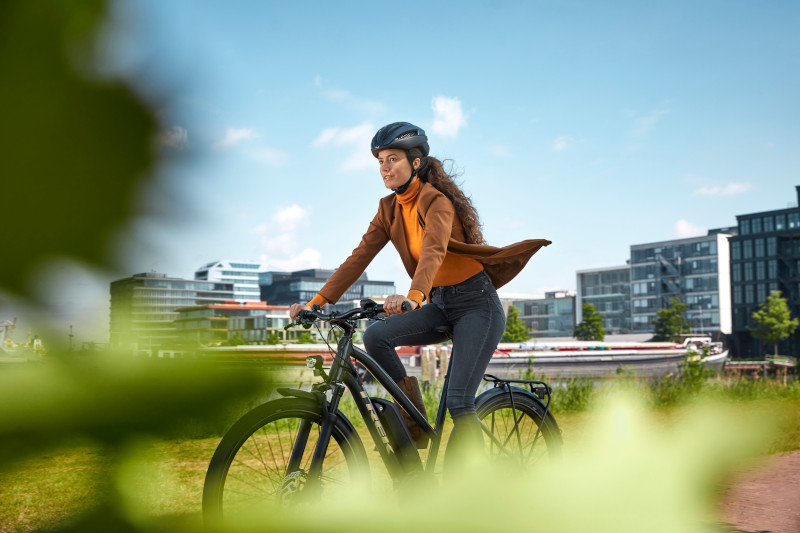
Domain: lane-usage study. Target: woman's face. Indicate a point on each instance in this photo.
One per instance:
(395, 168)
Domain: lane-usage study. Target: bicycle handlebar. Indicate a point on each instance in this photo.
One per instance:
(368, 310)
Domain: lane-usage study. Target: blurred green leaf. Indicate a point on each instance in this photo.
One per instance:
(109, 401)
(73, 149)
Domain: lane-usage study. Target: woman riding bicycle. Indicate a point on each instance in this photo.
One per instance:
(436, 230)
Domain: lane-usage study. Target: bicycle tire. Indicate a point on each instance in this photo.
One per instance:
(538, 438)
(249, 466)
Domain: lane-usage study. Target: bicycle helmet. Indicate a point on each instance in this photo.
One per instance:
(400, 135)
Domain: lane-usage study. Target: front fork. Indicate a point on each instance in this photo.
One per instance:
(313, 486)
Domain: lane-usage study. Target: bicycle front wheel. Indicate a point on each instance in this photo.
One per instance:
(519, 431)
(265, 457)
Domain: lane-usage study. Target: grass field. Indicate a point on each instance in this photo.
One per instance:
(165, 479)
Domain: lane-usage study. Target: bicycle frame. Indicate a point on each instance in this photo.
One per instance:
(343, 374)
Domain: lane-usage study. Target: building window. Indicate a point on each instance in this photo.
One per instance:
(760, 271)
(736, 250)
(755, 225)
(748, 271)
(737, 294)
(772, 268)
(769, 224)
(772, 246)
(793, 220)
(744, 227)
(780, 222)
(736, 272)
(759, 247)
(748, 294)
(747, 249)
(761, 292)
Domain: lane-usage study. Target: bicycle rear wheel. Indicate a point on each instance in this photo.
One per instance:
(265, 457)
(519, 432)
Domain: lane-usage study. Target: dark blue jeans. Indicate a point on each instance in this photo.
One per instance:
(474, 311)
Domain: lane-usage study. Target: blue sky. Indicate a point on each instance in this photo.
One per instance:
(596, 125)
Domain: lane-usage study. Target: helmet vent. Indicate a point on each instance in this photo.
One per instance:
(406, 135)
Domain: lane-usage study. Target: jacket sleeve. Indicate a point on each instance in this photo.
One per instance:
(348, 272)
(437, 230)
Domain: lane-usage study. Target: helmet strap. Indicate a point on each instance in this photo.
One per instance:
(403, 188)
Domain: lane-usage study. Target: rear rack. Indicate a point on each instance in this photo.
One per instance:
(539, 388)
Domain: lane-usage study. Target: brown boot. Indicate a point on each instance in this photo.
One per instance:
(410, 386)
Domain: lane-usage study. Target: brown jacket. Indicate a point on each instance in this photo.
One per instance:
(442, 233)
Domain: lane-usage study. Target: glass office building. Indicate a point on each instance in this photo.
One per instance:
(551, 316)
(286, 288)
(144, 307)
(243, 275)
(765, 257)
(216, 324)
(609, 291)
(694, 270)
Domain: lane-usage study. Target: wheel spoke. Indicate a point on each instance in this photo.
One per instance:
(254, 464)
(516, 430)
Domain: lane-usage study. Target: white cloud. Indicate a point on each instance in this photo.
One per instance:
(642, 126)
(175, 137)
(268, 156)
(562, 143)
(278, 240)
(234, 136)
(345, 136)
(356, 140)
(344, 98)
(328, 135)
(308, 258)
(728, 189)
(289, 218)
(448, 117)
(684, 229)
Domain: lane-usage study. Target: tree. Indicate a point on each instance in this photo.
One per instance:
(773, 320)
(591, 327)
(670, 323)
(273, 338)
(516, 330)
(306, 338)
(235, 340)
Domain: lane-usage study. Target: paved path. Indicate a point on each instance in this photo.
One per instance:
(766, 498)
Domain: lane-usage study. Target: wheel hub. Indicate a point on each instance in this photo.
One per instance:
(292, 484)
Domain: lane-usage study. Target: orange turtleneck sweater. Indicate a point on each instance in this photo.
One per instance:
(454, 269)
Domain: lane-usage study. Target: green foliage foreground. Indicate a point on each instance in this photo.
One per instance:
(82, 147)
(627, 466)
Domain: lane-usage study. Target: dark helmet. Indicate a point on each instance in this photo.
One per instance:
(400, 135)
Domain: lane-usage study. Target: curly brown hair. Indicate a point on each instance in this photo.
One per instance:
(432, 171)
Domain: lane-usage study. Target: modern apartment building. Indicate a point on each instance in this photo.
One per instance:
(219, 323)
(694, 270)
(286, 288)
(144, 307)
(609, 291)
(765, 257)
(551, 316)
(243, 275)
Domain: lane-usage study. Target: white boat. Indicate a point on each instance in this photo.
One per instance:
(602, 359)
